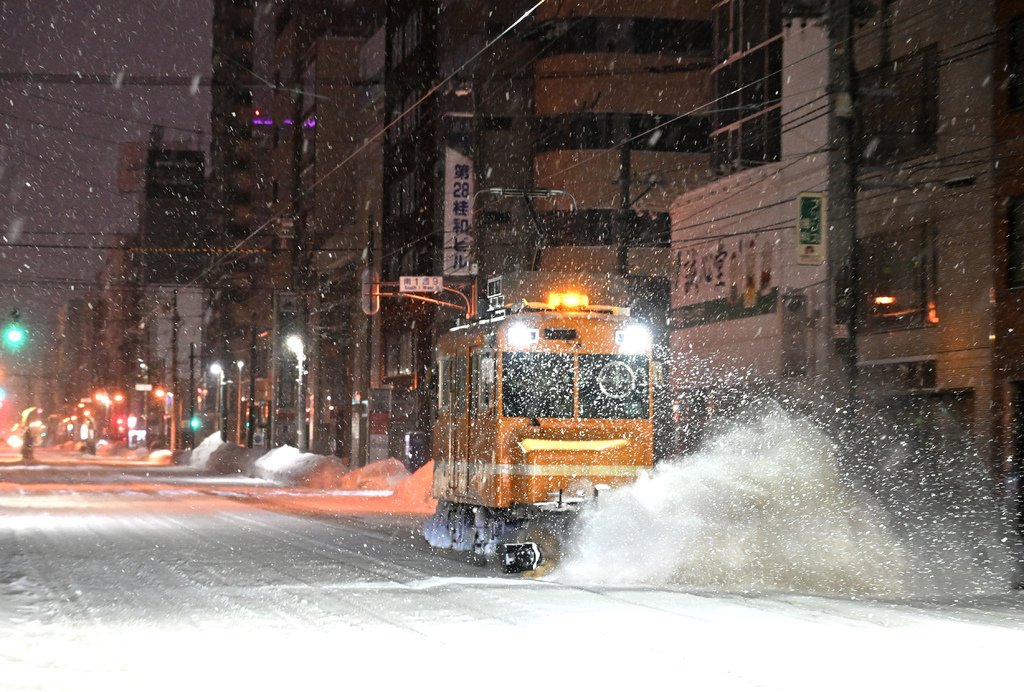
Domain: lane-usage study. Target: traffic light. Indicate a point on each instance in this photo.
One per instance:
(194, 423)
(14, 333)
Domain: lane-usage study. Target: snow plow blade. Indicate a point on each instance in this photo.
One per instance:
(520, 557)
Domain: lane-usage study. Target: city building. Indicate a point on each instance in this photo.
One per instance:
(753, 293)
(231, 178)
(1008, 245)
(325, 189)
(747, 305)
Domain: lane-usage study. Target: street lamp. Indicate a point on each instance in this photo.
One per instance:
(222, 411)
(294, 344)
(238, 407)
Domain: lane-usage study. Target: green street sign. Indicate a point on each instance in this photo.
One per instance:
(810, 228)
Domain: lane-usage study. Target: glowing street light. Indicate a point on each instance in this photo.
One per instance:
(238, 403)
(222, 410)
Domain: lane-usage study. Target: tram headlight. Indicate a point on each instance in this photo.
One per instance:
(636, 338)
(521, 336)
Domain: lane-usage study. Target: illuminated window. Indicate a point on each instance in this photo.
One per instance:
(898, 279)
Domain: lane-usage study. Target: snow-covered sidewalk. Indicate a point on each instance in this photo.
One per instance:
(319, 483)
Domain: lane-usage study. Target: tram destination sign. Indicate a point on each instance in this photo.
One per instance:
(420, 284)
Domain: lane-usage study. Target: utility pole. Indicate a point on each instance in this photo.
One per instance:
(175, 393)
(222, 405)
(843, 265)
(191, 393)
(364, 421)
(251, 419)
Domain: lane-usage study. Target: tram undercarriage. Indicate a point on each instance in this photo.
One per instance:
(523, 539)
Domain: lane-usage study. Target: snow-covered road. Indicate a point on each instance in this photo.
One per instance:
(116, 578)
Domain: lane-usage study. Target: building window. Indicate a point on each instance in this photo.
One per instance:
(1015, 244)
(399, 360)
(645, 132)
(637, 35)
(898, 279)
(748, 82)
(407, 37)
(899, 108)
(1016, 65)
(671, 36)
(282, 20)
(742, 25)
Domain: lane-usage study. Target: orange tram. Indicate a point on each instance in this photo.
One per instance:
(539, 409)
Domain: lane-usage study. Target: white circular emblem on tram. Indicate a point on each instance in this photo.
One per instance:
(616, 379)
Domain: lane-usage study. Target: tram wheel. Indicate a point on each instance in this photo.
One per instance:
(549, 542)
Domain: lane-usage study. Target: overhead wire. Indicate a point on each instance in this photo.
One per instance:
(915, 19)
(828, 48)
(84, 109)
(439, 85)
(369, 140)
(755, 183)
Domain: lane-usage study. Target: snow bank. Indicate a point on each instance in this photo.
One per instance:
(383, 474)
(414, 493)
(388, 485)
(160, 456)
(288, 466)
(200, 455)
(107, 449)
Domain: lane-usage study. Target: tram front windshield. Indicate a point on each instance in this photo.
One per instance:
(541, 385)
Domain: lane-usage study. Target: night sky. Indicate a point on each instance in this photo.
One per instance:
(59, 142)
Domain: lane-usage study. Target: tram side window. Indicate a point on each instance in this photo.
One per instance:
(614, 386)
(444, 390)
(482, 403)
(536, 385)
(474, 384)
(459, 386)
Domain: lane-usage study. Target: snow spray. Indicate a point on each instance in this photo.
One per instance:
(766, 507)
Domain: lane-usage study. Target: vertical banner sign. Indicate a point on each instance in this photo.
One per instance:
(810, 228)
(458, 215)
